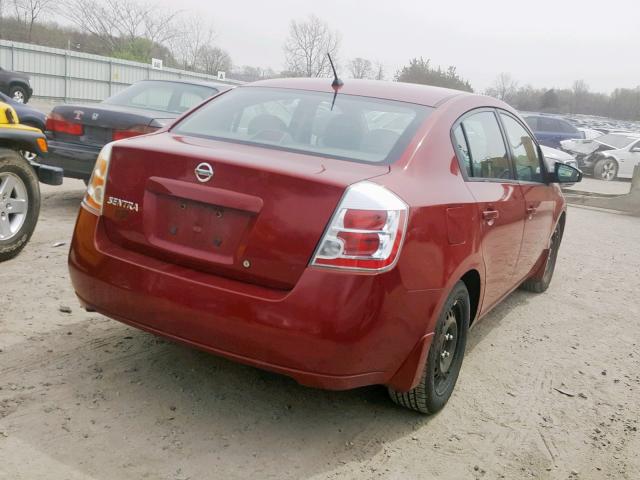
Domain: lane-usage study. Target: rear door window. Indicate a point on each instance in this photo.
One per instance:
(523, 149)
(486, 155)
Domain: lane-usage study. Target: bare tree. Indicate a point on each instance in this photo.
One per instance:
(504, 87)
(118, 22)
(307, 46)
(28, 11)
(580, 91)
(213, 60)
(361, 68)
(196, 33)
(380, 75)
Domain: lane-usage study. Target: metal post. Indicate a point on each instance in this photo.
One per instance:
(110, 77)
(66, 76)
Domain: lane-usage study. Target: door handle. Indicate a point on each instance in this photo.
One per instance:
(531, 211)
(489, 216)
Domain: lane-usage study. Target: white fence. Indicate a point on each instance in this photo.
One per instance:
(70, 76)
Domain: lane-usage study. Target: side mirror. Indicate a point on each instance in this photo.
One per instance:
(564, 173)
(635, 149)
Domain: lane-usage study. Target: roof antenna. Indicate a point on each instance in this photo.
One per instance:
(337, 83)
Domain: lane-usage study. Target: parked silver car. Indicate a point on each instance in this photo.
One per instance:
(607, 157)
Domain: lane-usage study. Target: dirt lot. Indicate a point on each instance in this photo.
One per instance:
(549, 387)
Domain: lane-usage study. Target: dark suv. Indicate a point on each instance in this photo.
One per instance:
(16, 85)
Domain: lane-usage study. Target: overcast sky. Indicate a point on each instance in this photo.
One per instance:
(549, 43)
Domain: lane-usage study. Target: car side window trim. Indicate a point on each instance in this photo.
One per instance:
(459, 156)
(543, 167)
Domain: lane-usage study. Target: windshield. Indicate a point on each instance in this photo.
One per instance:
(355, 128)
(616, 141)
(171, 97)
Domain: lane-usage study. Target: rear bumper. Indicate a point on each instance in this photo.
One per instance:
(76, 160)
(332, 330)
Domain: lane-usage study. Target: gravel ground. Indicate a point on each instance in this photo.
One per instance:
(549, 387)
(616, 187)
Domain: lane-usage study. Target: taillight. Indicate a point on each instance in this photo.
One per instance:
(94, 196)
(132, 132)
(366, 231)
(56, 123)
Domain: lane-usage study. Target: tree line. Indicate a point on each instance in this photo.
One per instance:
(622, 103)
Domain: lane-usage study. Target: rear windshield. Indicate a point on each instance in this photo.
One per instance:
(361, 129)
(615, 141)
(172, 97)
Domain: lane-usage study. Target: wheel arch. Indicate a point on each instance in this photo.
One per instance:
(473, 282)
(16, 82)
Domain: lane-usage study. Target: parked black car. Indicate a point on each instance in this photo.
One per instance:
(76, 133)
(28, 115)
(550, 130)
(16, 85)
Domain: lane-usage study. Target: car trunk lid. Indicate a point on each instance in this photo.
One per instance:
(96, 125)
(258, 218)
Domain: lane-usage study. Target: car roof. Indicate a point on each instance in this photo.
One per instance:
(201, 83)
(404, 92)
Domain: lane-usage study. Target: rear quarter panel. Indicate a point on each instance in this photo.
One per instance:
(442, 242)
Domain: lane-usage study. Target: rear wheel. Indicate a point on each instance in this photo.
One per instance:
(18, 93)
(606, 169)
(19, 203)
(444, 359)
(540, 281)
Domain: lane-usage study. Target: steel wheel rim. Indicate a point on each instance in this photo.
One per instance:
(447, 349)
(18, 96)
(609, 170)
(14, 205)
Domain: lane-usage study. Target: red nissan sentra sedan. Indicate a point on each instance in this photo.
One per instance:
(342, 237)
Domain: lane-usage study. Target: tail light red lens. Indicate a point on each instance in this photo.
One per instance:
(359, 244)
(133, 132)
(366, 232)
(365, 219)
(56, 123)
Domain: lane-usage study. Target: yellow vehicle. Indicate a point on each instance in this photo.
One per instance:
(19, 176)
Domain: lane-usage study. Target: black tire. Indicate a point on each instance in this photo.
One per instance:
(540, 281)
(436, 386)
(18, 93)
(606, 169)
(12, 164)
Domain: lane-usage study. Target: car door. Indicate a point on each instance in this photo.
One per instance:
(539, 197)
(489, 175)
(628, 159)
